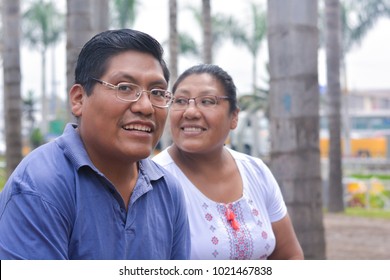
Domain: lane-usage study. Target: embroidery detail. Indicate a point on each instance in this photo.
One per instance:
(263, 257)
(240, 239)
(208, 217)
(214, 240)
(215, 253)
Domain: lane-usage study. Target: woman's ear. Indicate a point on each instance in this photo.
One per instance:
(76, 95)
(234, 121)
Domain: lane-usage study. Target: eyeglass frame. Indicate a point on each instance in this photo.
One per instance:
(217, 98)
(138, 94)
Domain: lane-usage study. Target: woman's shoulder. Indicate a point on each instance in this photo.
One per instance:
(163, 158)
(238, 156)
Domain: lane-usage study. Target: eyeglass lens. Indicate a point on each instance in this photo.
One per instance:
(181, 103)
(132, 92)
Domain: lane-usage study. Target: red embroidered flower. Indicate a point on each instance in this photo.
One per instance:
(255, 212)
(208, 217)
(264, 235)
(214, 240)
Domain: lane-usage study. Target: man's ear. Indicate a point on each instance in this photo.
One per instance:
(234, 121)
(77, 95)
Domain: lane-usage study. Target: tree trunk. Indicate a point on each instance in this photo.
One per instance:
(207, 32)
(294, 117)
(173, 41)
(335, 186)
(79, 31)
(12, 83)
(45, 111)
(166, 138)
(100, 15)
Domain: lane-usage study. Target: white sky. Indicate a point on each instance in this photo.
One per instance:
(367, 65)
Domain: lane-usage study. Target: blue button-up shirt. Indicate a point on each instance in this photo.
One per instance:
(57, 205)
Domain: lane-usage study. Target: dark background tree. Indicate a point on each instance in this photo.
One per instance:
(333, 54)
(12, 83)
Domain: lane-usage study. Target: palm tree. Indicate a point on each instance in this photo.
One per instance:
(251, 39)
(294, 117)
(12, 82)
(100, 15)
(79, 30)
(125, 12)
(173, 40)
(166, 138)
(220, 31)
(42, 28)
(333, 50)
(207, 32)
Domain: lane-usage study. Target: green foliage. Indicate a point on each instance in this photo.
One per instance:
(359, 17)
(43, 25)
(124, 12)
(222, 26)
(3, 175)
(36, 138)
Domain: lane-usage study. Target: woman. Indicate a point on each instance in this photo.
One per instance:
(235, 207)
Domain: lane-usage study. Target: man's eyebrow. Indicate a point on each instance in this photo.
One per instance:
(159, 81)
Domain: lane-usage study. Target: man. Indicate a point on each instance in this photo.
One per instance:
(93, 193)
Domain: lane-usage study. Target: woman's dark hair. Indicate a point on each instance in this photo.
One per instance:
(218, 73)
(94, 56)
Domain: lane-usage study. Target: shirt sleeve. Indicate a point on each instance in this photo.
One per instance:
(276, 205)
(31, 228)
(181, 249)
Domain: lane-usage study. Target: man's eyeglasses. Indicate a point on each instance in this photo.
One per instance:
(129, 92)
(202, 102)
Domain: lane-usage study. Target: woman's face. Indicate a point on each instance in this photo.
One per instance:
(196, 129)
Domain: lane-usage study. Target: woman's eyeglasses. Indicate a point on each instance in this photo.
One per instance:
(202, 102)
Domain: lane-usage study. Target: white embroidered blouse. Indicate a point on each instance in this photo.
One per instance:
(238, 230)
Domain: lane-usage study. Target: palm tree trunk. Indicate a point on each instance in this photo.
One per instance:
(173, 40)
(12, 82)
(79, 31)
(44, 111)
(294, 117)
(335, 186)
(100, 15)
(207, 32)
(166, 138)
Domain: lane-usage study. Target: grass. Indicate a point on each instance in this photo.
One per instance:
(370, 176)
(368, 213)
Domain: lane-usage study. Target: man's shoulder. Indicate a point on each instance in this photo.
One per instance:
(45, 172)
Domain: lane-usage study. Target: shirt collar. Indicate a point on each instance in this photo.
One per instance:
(74, 149)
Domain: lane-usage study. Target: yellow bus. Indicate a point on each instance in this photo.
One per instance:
(368, 135)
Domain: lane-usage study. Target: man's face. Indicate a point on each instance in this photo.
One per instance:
(113, 130)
